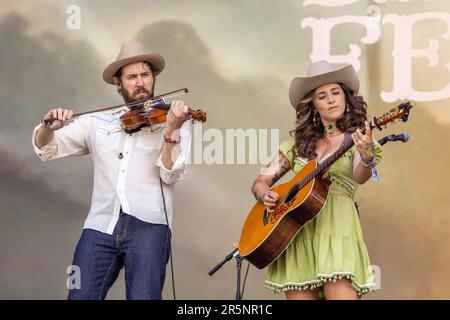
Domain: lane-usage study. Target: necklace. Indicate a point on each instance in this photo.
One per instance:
(331, 130)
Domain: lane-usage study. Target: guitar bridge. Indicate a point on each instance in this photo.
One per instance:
(265, 217)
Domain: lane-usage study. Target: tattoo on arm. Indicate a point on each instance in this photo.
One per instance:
(370, 147)
(283, 167)
(258, 179)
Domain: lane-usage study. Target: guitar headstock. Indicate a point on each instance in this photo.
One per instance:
(401, 112)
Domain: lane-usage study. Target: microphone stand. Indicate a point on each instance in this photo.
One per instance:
(238, 276)
(404, 137)
(385, 139)
(235, 254)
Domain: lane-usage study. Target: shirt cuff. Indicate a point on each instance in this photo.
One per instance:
(47, 152)
(178, 170)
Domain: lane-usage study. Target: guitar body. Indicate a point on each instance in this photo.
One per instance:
(264, 240)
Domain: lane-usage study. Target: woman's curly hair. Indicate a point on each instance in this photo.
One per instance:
(306, 133)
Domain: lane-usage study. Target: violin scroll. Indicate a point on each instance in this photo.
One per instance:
(197, 115)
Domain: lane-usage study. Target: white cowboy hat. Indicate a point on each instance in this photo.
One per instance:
(320, 73)
(133, 51)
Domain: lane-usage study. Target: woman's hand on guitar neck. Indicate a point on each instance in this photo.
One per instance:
(364, 142)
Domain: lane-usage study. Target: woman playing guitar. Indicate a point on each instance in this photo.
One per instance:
(328, 256)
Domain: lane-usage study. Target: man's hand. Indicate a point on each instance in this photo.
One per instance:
(176, 116)
(60, 118)
(45, 133)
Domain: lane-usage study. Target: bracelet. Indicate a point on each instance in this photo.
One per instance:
(168, 140)
(367, 163)
(371, 164)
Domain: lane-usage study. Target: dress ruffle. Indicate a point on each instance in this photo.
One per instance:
(319, 281)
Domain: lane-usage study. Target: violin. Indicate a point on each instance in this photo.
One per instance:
(146, 112)
(153, 113)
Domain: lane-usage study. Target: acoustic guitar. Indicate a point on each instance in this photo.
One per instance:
(265, 235)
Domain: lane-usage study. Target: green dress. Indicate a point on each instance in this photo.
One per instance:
(330, 246)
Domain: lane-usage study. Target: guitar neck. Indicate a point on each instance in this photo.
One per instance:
(328, 162)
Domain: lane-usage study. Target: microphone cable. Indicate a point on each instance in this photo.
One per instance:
(245, 280)
(170, 239)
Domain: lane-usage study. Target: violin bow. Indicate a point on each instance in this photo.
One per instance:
(134, 104)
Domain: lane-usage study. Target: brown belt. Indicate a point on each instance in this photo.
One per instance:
(339, 193)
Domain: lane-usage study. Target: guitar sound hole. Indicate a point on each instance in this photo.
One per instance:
(292, 193)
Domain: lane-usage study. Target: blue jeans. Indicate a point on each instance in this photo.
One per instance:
(141, 247)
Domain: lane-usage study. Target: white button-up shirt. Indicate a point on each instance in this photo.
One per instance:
(127, 167)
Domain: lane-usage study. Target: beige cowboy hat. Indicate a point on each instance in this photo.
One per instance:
(320, 73)
(133, 51)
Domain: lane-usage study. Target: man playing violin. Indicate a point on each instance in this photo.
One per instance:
(131, 211)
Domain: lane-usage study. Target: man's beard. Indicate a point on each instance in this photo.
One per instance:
(129, 98)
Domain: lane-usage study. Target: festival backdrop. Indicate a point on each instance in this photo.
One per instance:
(237, 58)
